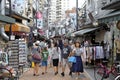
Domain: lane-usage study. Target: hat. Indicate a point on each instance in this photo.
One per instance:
(37, 42)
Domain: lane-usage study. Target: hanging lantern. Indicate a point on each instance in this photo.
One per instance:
(38, 15)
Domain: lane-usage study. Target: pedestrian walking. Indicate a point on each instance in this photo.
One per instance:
(55, 56)
(77, 67)
(45, 54)
(65, 54)
(50, 50)
(72, 46)
(36, 58)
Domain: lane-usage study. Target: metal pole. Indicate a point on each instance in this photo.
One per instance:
(112, 54)
(10, 13)
(36, 16)
(76, 14)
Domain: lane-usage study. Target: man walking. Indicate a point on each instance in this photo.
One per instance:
(65, 54)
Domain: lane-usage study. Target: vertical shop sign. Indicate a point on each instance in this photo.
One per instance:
(39, 23)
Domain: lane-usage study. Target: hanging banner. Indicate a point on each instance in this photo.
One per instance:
(38, 15)
(39, 23)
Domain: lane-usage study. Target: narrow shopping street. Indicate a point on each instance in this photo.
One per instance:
(50, 76)
(83, 34)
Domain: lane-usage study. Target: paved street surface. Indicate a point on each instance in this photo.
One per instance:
(50, 76)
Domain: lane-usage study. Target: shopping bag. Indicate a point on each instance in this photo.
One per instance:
(33, 64)
(72, 59)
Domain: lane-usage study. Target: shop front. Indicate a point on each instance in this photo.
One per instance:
(113, 20)
(4, 38)
(18, 46)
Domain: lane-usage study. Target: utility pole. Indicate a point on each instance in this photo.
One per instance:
(76, 14)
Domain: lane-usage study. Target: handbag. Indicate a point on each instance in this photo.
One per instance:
(36, 57)
(72, 59)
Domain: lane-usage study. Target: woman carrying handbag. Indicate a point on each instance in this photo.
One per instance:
(36, 58)
(77, 66)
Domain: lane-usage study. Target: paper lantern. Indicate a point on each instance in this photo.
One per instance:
(38, 15)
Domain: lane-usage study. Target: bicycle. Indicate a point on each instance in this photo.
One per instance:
(8, 75)
(103, 72)
(118, 77)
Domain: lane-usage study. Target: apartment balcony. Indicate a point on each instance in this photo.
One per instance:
(114, 4)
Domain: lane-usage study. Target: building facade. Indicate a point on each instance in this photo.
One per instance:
(57, 10)
(99, 23)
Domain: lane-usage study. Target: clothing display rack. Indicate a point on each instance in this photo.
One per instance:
(13, 60)
(18, 56)
(93, 53)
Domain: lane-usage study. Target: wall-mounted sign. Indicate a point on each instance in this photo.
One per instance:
(12, 37)
(18, 6)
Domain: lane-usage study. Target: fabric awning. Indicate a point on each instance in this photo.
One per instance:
(110, 17)
(17, 27)
(83, 31)
(6, 19)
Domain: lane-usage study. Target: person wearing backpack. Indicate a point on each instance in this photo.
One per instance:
(55, 57)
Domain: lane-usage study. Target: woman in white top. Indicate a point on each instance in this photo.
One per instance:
(78, 66)
(50, 47)
(55, 56)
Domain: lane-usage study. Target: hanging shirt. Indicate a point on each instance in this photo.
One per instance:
(117, 42)
(99, 52)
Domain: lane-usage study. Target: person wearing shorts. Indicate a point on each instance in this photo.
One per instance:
(55, 57)
(45, 54)
(65, 54)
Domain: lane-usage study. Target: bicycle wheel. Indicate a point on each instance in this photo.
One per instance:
(118, 77)
(99, 73)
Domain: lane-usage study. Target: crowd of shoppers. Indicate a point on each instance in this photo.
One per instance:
(57, 53)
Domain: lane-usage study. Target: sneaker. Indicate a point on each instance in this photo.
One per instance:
(63, 74)
(70, 73)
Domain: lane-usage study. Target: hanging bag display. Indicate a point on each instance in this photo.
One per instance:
(72, 59)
